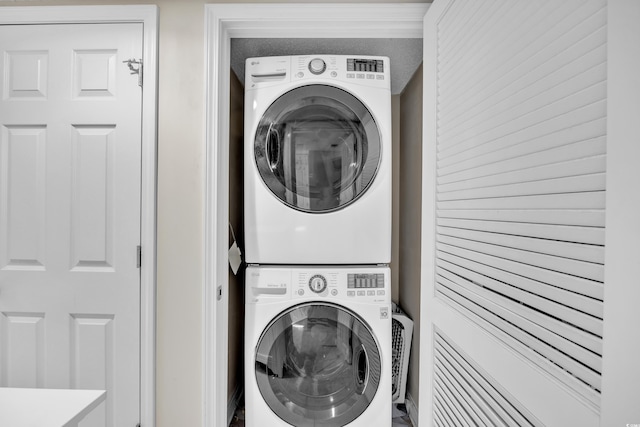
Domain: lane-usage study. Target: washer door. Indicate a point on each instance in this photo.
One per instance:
(317, 364)
(317, 148)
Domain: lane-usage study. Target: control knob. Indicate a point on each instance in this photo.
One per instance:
(317, 66)
(318, 283)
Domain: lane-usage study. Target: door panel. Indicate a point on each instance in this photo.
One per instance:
(515, 144)
(70, 155)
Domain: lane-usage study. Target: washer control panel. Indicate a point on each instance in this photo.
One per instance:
(361, 284)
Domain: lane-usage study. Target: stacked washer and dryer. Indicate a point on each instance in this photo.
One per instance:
(317, 241)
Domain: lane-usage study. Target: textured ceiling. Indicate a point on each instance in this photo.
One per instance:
(405, 55)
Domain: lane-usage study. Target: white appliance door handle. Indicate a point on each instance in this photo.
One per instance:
(270, 149)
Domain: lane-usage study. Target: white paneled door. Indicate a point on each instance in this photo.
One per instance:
(70, 155)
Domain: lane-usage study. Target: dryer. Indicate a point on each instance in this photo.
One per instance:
(318, 346)
(317, 162)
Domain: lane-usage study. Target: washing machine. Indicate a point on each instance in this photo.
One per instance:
(318, 346)
(317, 163)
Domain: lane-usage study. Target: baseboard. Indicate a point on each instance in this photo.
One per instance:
(232, 405)
(412, 410)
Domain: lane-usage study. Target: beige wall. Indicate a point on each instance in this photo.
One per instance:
(181, 158)
(410, 201)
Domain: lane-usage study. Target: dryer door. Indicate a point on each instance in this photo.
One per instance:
(318, 364)
(317, 148)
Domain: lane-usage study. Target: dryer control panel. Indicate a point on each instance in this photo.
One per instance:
(370, 71)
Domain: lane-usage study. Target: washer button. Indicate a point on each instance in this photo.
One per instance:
(334, 292)
(361, 293)
(300, 292)
(351, 293)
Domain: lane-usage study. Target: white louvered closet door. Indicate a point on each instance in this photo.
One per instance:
(514, 212)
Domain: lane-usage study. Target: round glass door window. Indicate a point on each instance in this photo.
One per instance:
(317, 365)
(317, 148)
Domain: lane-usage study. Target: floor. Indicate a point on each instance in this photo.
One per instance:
(400, 417)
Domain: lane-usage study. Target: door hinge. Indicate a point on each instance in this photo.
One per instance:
(135, 66)
(139, 256)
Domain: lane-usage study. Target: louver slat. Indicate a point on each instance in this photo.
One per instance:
(454, 370)
(465, 303)
(442, 416)
(592, 182)
(570, 217)
(452, 403)
(553, 133)
(454, 361)
(535, 31)
(531, 167)
(528, 123)
(561, 280)
(482, 412)
(562, 297)
(561, 145)
(579, 346)
(473, 409)
(570, 250)
(546, 311)
(575, 234)
(581, 200)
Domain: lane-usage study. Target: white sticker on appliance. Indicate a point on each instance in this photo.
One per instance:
(235, 258)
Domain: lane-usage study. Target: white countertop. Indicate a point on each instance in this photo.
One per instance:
(38, 407)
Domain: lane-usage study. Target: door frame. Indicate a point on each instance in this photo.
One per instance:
(222, 23)
(148, 16)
